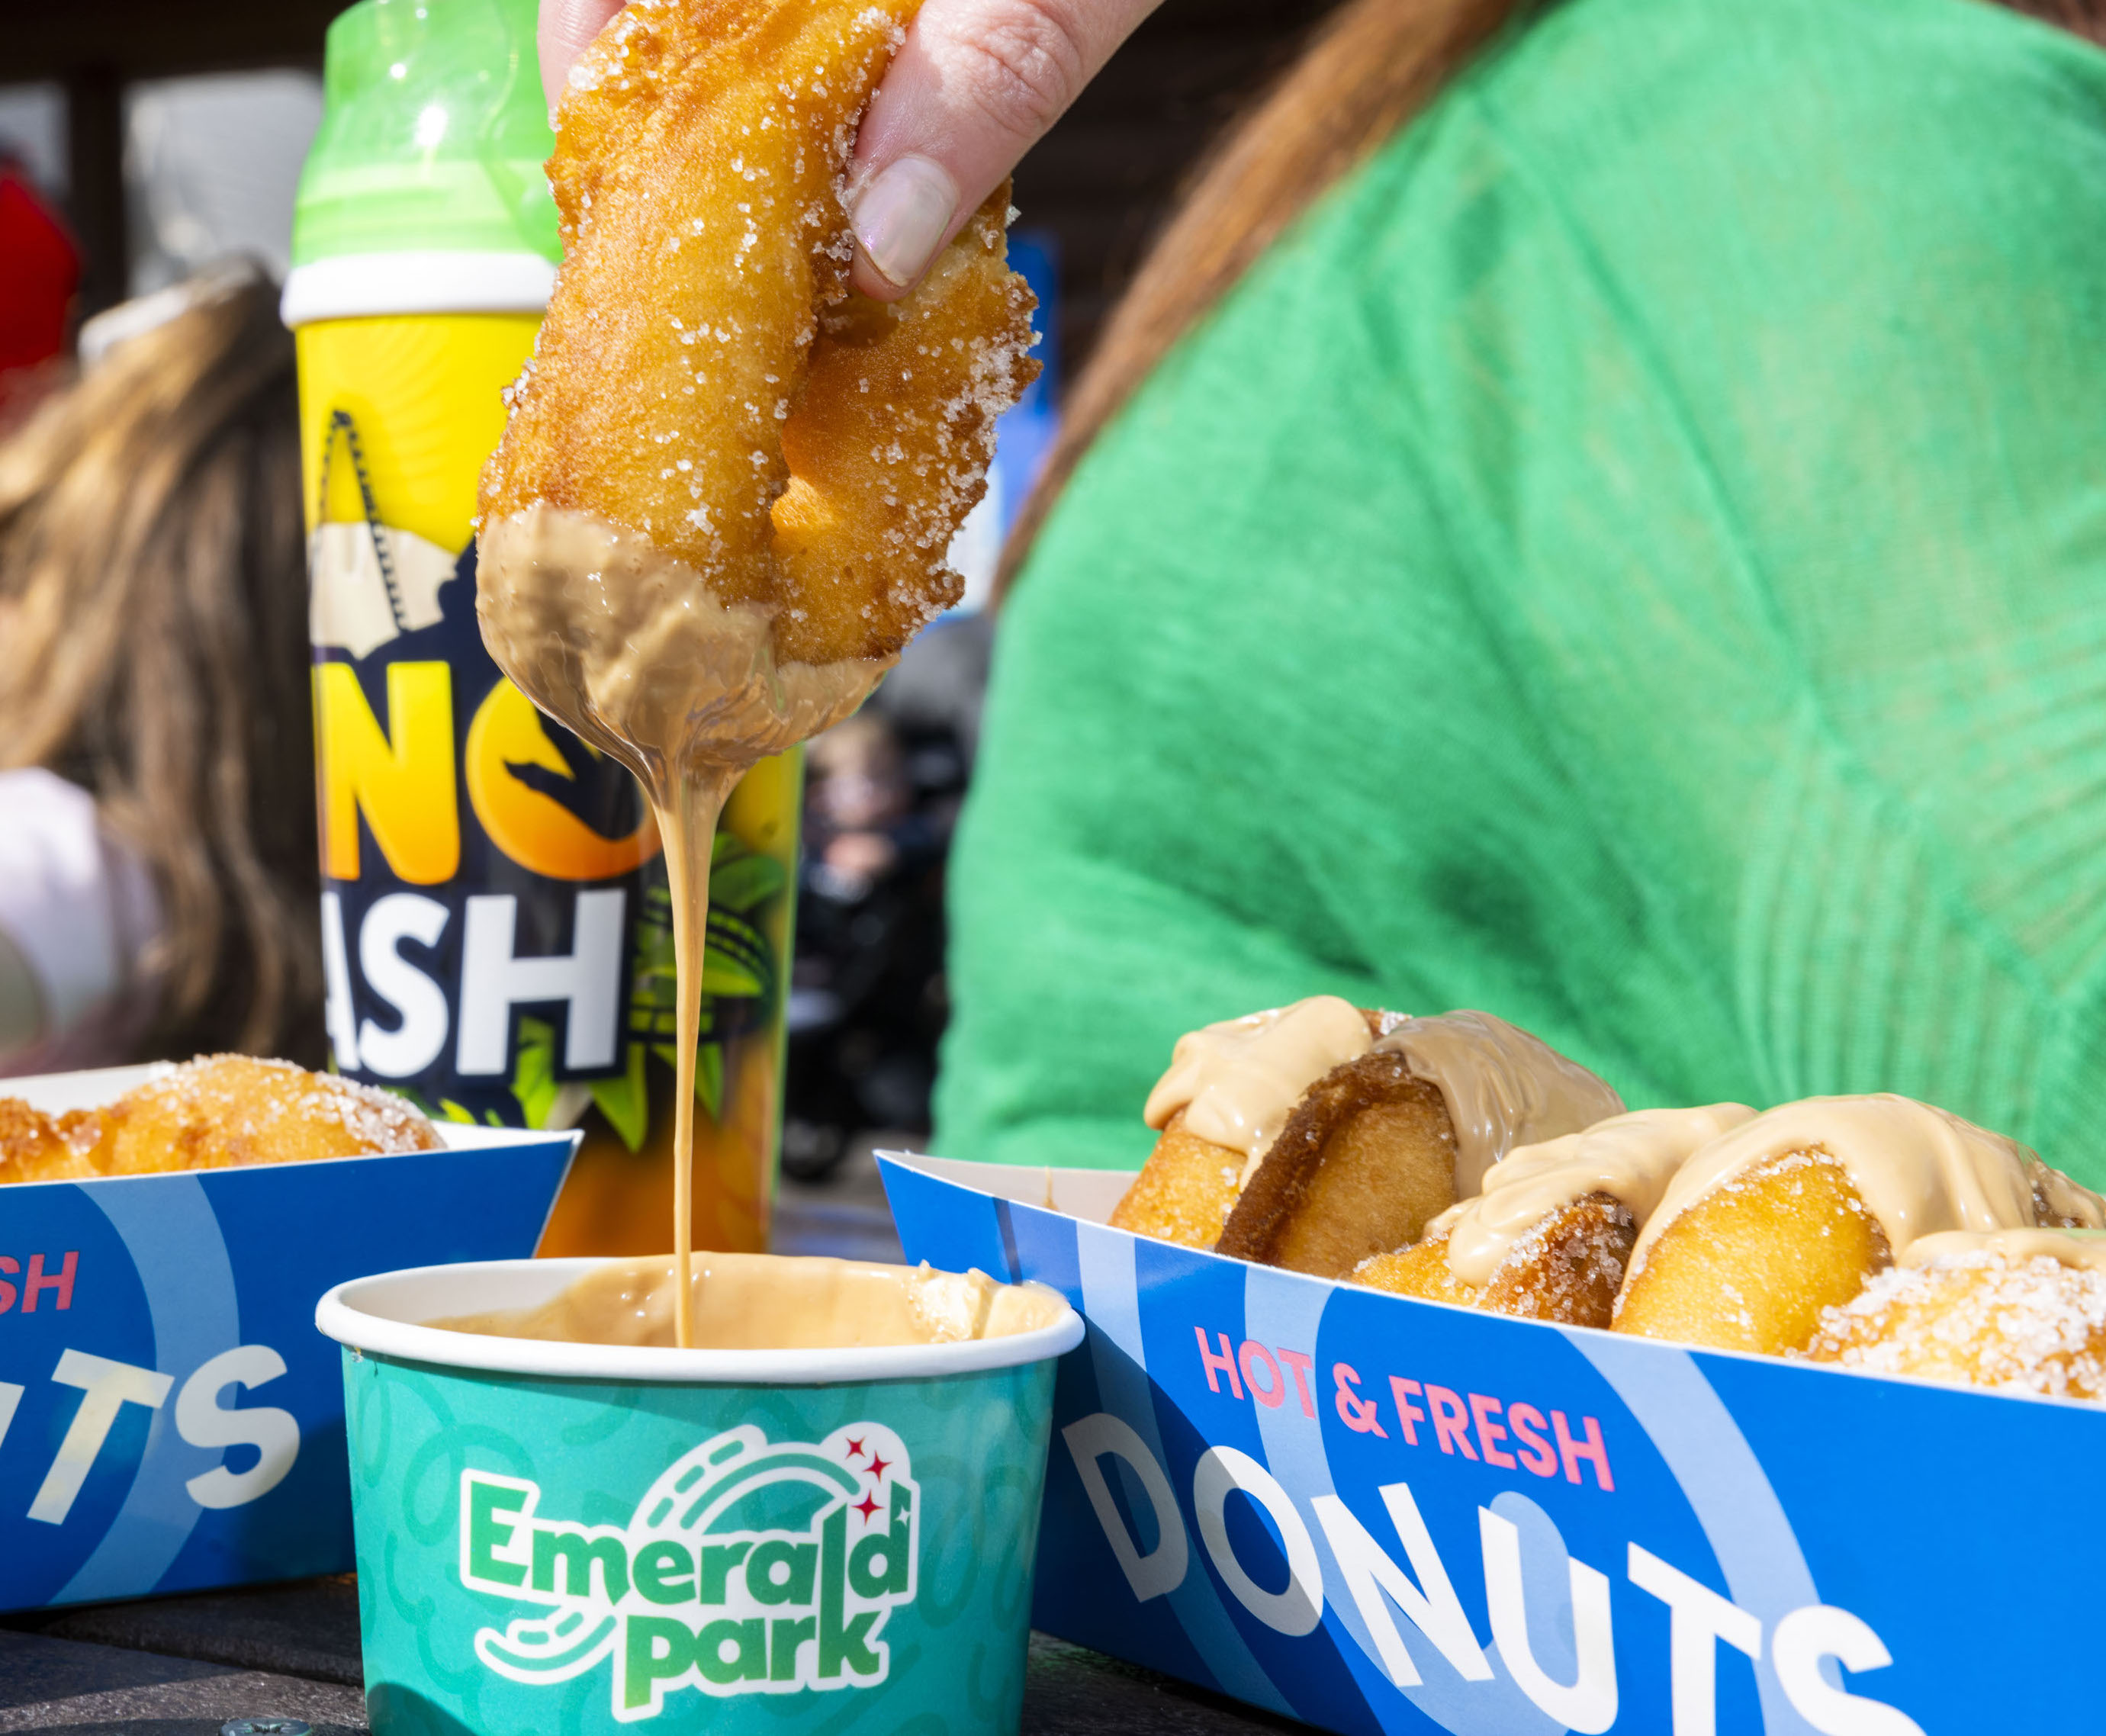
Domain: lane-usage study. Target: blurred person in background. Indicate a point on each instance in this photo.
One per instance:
(158, 878)
(868, 1002)
(1592, 511)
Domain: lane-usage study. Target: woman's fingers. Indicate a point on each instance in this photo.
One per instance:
(975, 85)
(565, 27)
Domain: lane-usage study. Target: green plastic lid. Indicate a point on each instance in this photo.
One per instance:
(433, 133)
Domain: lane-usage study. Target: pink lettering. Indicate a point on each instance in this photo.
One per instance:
(1360, 1415)
(1592, 1449)
(1224, 1363)
(1451, 1420)
(1490, 1433)
(1408, 1413)
(1301, 1365)
(1273, 1387)
(38, 1283)
(1528, 1426)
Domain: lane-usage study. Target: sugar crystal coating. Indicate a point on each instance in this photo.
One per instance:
(212, 1113)
(705, 377)
(2032, 1325)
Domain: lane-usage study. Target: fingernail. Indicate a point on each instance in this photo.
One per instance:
(900, 218)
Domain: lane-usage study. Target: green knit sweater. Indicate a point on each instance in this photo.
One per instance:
(1634, 560)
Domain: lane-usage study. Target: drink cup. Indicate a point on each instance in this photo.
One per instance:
(586, 1538)
(496, 927)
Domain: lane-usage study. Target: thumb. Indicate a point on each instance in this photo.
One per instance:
(976, 84)
(566, 26)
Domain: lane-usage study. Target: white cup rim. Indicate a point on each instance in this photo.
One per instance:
(364, 1314)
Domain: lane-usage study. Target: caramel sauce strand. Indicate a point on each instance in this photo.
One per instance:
(688, 824)
(726, 486)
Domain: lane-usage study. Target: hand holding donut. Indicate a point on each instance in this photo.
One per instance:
(975, 85)
(706, 378)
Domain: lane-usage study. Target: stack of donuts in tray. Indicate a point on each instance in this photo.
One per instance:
(1457, 1158)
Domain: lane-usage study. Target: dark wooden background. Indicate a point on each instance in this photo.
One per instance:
(1100, 182)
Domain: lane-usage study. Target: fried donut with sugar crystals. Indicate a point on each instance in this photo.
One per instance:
(38, 1147)
(1184, 1191)
(1752, 1265)
(2023, 1311)
(1796, 1211)
(1383, 1144)
(1566, 1267)
(210, 1114)
(223, 1109)
(1238, 1083)
(1550, 1235)
(704, 376)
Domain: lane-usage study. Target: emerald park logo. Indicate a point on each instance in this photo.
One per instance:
(747, 1568)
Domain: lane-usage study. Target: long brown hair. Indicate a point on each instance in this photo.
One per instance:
(1370, 66)
(154, 649)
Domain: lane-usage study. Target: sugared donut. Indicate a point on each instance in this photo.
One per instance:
(38, 1147)
(1565, 1267)
(225, 1109)
(209, 1114)
(1371, 1156)
(705, 380)
(1229, 1090)
(1796, 1211)
(1751, 1265)
(1184, 1191)
(2025, 1313)
(1550, 1235)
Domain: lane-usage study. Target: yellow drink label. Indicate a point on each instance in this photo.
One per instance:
(495, 921)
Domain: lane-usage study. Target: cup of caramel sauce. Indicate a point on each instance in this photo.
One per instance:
(565, 1522)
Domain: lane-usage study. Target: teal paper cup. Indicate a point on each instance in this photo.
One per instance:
(577, 1538)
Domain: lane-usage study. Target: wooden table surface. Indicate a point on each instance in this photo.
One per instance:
(186, 1665)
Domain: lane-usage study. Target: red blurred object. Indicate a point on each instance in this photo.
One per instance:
(39, 270)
